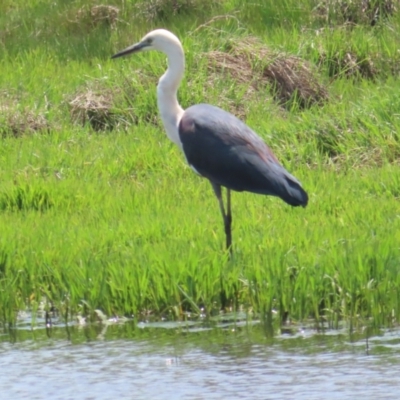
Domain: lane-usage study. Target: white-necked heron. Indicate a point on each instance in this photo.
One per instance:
(216, 144)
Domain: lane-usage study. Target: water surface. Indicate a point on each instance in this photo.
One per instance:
(174, 361)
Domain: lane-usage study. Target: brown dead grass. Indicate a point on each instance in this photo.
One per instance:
(153, 10)
(221, 63)
(97, 15)
(294, 78)
(290, 78)
(355, 11)
(349, 65)
(18, 122)
(362, 158)
(104, 107)
(93, 106)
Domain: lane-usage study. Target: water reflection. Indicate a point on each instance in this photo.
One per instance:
(178, 361)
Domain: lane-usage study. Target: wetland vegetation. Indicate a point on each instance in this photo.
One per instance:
(98, 210)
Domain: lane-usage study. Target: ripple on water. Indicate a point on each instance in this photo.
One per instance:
(231, 362)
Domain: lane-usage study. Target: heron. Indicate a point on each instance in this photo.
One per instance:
(216, 144)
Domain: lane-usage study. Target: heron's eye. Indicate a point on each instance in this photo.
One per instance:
(149, 41)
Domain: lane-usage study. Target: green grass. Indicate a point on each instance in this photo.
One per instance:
(115, 220)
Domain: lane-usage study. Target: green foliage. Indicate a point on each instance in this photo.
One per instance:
(115, 220)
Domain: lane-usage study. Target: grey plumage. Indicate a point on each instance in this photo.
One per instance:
(227, 152)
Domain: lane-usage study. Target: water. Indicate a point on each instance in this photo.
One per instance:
(172, 361)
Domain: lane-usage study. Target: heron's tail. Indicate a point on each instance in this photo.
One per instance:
(294, 194)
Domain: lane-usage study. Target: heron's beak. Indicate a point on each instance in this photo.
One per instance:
(131, 49)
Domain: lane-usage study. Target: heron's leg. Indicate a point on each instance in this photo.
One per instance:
(227, 217)
(228, 223)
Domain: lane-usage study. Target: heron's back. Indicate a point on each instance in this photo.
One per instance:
(227, 152)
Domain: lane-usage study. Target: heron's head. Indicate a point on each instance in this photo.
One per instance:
(160, 39)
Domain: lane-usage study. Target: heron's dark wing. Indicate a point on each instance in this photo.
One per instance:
(227, 152)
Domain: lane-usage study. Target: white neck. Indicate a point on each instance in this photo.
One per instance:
(170, 110)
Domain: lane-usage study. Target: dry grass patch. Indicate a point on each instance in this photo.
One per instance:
(153, 10)
(350, 65)
(221, 63)
(97, 15)
(104, 107)
(361, 157)
(94, 106)
(355, 11)
(290, 78)
(17, 121)
(294, 79)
